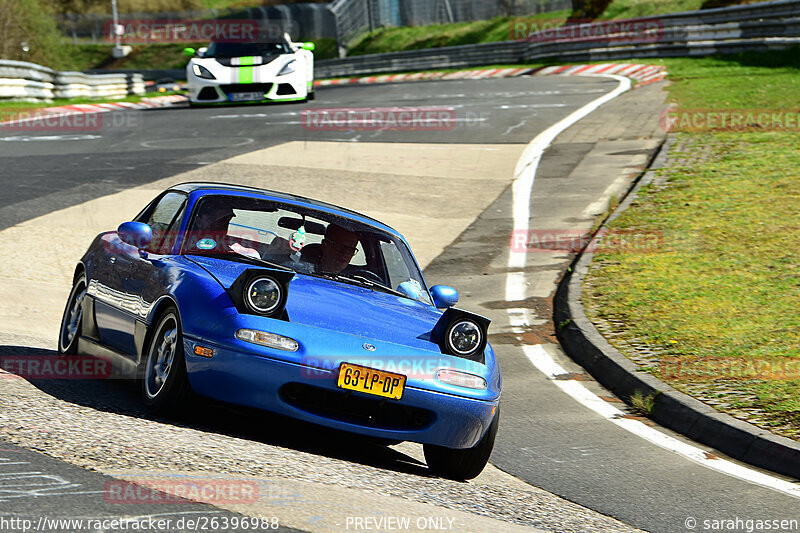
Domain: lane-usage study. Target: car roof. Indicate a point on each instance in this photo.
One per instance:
(218, 188)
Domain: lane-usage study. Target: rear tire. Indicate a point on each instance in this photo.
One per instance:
(165, 385)
(72, 318)
(461, 465)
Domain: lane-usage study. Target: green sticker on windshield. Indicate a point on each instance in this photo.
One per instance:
(206, 244)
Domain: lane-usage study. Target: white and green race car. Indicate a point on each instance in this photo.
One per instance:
(229, 72)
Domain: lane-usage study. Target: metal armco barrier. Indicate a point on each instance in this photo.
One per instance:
(752, 27)
(20, 80)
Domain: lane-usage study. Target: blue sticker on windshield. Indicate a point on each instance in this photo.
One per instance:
(206, 244)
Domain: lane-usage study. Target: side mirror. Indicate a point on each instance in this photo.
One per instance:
(201, 52)
(136, 234)
(444, 296)
(308, 46)
(189, 52)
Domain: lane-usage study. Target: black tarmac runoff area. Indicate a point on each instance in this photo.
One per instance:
(38, 493)
(546, 438)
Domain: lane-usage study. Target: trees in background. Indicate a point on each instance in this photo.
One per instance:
(583, 10)
(28, 32)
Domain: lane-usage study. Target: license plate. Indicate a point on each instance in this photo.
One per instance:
(371, 381)
(240, 97)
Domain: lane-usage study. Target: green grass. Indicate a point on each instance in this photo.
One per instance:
(499, 29)
(745, 80)
(438, 35)
(625, 9)
(14, 110)
(168, 56)
(724, 284)
(85, 56)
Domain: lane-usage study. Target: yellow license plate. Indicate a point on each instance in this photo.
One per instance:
(371, 381)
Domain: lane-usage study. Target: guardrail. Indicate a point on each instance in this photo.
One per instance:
(20, 80)
(752, 27)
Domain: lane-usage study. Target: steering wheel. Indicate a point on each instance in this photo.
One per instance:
(370, 275)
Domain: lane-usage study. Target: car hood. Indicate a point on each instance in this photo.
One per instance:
(345, 308)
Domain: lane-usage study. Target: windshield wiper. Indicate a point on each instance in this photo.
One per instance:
(361, 281)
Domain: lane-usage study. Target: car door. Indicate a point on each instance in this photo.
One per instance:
(117, 315)
(151, 272)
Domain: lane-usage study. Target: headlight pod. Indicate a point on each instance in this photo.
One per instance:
(202, 72)
(288, 68)
(461, 334)
(461, 379)
(270, 340)
(264, 295)
(261, 292)
(464, 338)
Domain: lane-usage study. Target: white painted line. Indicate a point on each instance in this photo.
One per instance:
(522, 188)
(542, 361)
(529, 162)
(29, 138)
(599, 206)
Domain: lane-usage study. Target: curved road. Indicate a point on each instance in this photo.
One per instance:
(546, 438)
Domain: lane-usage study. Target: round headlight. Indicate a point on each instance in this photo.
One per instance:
(464, 337)
(264, 295)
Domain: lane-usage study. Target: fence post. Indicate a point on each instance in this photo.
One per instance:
(449, 10)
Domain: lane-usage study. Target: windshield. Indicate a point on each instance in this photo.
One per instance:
(246, 49)
(304, 240)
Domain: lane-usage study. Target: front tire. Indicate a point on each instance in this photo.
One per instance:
(165, 385)
(461, 465)
(73, 317)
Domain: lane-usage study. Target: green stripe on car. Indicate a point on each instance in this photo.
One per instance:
(246, 69)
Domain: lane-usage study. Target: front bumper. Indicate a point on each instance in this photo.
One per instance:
(311, 394)
(209, 92)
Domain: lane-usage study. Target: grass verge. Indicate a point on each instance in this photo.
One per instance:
(17, 110)
(438, 35)
(716, 302)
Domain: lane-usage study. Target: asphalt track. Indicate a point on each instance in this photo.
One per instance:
(546, 438)
(33, 486)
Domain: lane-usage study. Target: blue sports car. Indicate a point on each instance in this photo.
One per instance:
(290, 305)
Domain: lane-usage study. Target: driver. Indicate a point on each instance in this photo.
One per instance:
(336, 249)
(213, 218)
